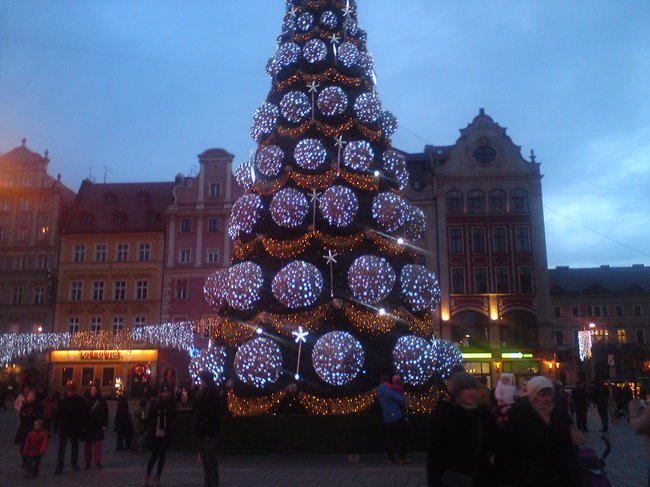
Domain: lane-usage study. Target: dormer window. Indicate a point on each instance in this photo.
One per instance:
(153, 218)
(87, 218)
(109, 198)
(119, 218)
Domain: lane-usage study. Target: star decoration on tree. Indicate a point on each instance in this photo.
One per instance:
(313, 89)
(339, 143)
(330, 259)
(301, 337)
(347, 10)
(314, 196)
(335, 39)
(293, 12)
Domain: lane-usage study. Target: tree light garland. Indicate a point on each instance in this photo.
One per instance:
(584, 344)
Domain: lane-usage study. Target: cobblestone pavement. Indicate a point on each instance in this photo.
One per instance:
(626, 465)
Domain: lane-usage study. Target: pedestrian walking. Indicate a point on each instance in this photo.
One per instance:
(639, 415)
(392, 405)
(579, 397)
(536, 447)
(27, 415)
(600, 396)
(123, 425)
(94, 427)
(462, 438)
(208, 427)
(140, 420)
(71, 417)
(162, 411)
(34, 448)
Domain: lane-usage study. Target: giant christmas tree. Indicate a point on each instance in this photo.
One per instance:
(324, 290)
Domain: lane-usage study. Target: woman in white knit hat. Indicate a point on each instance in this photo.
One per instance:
(536, 445)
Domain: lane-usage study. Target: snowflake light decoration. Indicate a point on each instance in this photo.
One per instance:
(298, 284)
(371, 278)
(310, 154)
(243, 285)
(419, 287)
(337, 357)
(414, 359)
(258, 362)
(339, 206)
(289, 207)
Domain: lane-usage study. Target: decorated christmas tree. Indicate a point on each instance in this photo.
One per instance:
(324, 292)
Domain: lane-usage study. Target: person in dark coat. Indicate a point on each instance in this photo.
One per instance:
(462, 437)
(70, 419)
(95, 426)
(27, 415)
(600, 396)
(536, 447)
(208, 427)
(579, 397)
(161, 414)
(392, 405)
(123, 424)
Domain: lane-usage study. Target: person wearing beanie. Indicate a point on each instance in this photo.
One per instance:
(208, 417)
(536, 447)
(462, 438)
(71, 417)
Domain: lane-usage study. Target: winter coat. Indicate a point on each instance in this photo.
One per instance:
(72, 416)
(392, 404)
(161, 416)
(579, 396)
(122, 419)
(640, 421)
(461, 440)
(208, 413)
(96, 419)
(27, 416)
(35, 444)
(532, 453)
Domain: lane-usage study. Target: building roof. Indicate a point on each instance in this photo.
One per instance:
(600, 280)
(22, 156)
(119, 208)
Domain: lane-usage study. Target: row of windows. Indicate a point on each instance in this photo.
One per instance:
(601, 335)
(480, 283)
(25, 205)
(88, 376)
(101, 252)
(98, 288)
(24, 262)
(18, 295)
(23, 233)
(95, 324)
(499, 242)
(497, 202)
(214, 224)
(185, 256)
(598, 310)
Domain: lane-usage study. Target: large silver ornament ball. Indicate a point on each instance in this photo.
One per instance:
(269, 160)
(388, 210)
(388, 123)
(348, 54)
(310, 154)
(394, 166)
(332, 101)
(305, 22)
(371, 279)
(289, 207)
(243, 285)
(339, 206)
(419, 287)
(298, 284)
(244, 175)
(358, 155)
(367, 107)
(295, 106)
(414, 360)
(211, 360)
(314, 51)
(329, 20)
(244, 214)
(337, 358)
(264, 120)
(288, 54)
(258, 362)
(415, 223)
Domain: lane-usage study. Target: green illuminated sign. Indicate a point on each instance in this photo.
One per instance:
(476, 355)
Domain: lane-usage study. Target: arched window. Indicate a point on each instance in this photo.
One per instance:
(455, 203)
(497, 201)
(476, 202)
(519, 201)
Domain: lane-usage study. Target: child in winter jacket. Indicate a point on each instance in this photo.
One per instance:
(34, 448)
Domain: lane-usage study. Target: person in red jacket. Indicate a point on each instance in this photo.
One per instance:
(34, 448)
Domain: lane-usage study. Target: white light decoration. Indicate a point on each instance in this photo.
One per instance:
(273, 67)
(288, 54)
(350, 25)
(289, 26)
(289, 207)
(337, 357)
(332, 101)
(212, 360)
(414, 360)
(394, 165)
(214, 288)
(388, 123)
(310, 154)
(243, 175)
(446, 354)
(13, 345)
(298, 284)
(258, 362)
(329, 19)
(339, 206)
(367, 63)
(584, 344)
(388, 210)
(415, 222)
(305, 21)
(300, 337)
(314, 51)
(419, 287)
(367, 107)
(243, 285)
(269, 160)
(370, 278)
(244, 215)
(264, 120)
(295, 106)
(348, 54)
(358, 155)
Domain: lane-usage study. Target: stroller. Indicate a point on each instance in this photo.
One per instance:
(592, 467)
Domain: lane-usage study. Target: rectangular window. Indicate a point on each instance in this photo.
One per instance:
(503, 280)
(20, 263)
(76, 290)
(17, 297)
(141, 290)
(456, 240)
(480, 280)
(215, 190)
(139, 321)
(599, 310)
(42, 262)
(499, 239)
(525, 280)
(213, 256)
(637, 310)
(122, 252)
(73, 324)
(621, 335)
(100, 253)
(185, 256)
(619, 310)
(87, 376)
(522, 239)
(118, 324)
(108, 376)
(640, 336)
(144, 252)
(25, 205)
(39, 295)
(119, 290)
(600, 335)
(98, 290)
(559, 337)
(213, 224)
(478, 240)
(3, 234)
(22, 235)
(575, 311)
(186, 225)
(458, 280)
(79, 253)
(66, 375)
(95, 324)
(181, 289)
(557, 311)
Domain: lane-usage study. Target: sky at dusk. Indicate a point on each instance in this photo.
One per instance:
(142, 87)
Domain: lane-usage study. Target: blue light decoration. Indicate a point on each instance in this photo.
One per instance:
(332, 101)
(273, 67)
(388, 210)
(310, 154)
(366, 62)
(289, 207)
(414, 359)
(264, 120)
(244, 175)
(367, 107)
(269, 160)
(419, 287)
(394, 167)
(295, 106)
(244, 215)
(358, 155)
(258, 362)
(214, 288)
(388, 123)
(339, 206)
(212, 360)
(243, 285)
(351, 25)
(337, 358)
(298, 284)
(314, 51)
(305, 22)
(348, 54)
(447, 354)
(329, 20)
(288, 54)
(415, 222)
(370, 278)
